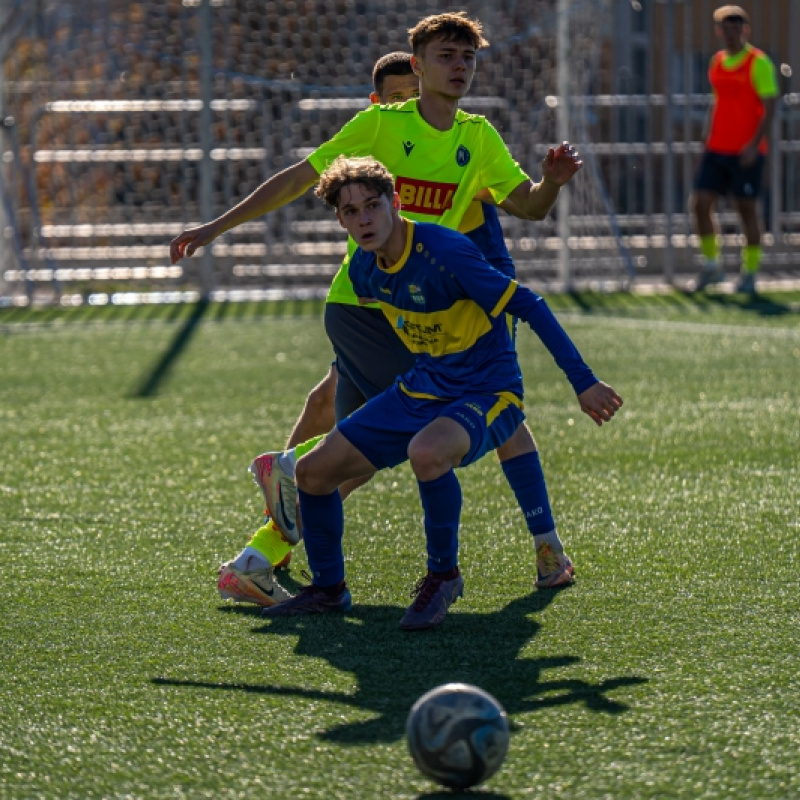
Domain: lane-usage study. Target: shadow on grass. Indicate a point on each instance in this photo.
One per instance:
(466, 794)
(759, 304)
(393, 667)
(152, 382)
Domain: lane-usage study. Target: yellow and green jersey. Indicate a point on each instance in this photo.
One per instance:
(437, 173)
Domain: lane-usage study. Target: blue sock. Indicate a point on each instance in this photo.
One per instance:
(526, 479)
(323, 527)
(441, 502)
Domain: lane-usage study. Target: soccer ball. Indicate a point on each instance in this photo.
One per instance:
(458, 735)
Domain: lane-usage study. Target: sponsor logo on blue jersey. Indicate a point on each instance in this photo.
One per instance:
(416, 294)
(417, 329)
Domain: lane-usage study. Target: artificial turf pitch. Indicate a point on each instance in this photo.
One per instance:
(670, 669)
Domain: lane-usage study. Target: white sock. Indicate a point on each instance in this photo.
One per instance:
(250, 559)
(287, 460)
(551, 538)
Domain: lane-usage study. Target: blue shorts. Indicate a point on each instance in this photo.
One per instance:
(722, 174)
(382, 429)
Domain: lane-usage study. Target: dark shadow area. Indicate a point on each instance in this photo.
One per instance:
(176, 310)
(222, 310)
(462, 794)
(673, 301)
(151, 313)
(152, 382)
(393, 668)
(759, 304)
(580, 300)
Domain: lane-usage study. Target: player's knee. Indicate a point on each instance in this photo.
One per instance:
(427, 462)
(308, 476)
(519, 443)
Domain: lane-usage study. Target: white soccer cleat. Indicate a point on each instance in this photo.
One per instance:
(552, 569)
(280, 493)
(256, 586)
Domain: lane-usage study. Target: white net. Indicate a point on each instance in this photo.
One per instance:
(104, 136)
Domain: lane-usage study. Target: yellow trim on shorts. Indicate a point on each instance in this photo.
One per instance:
(419, 395)
(505, 399)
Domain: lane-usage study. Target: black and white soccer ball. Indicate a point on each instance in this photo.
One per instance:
(458, 735)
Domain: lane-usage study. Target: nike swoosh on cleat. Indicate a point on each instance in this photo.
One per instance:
(283, 511)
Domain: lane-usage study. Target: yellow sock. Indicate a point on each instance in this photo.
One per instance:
(709, 247)
(270, 542)
(751, 257)
(305, 447)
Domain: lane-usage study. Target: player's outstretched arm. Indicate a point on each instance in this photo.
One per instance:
(600, 402)
(535, 200)
(275, 192)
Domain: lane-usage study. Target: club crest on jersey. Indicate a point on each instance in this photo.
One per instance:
(416, 294)
(462, 156)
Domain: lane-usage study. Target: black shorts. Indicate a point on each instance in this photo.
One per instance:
(722, 174)
(369, 354)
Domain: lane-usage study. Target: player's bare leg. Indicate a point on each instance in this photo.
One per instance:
(317, 416)
(333, 461)
(702, 204)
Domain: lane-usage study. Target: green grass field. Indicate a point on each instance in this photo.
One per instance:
(670, 669)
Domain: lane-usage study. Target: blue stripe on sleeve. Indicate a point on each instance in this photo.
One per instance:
(533, 309)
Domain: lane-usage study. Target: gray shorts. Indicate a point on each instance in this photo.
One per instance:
(369, 354)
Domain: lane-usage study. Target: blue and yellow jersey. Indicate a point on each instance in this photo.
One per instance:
(446, 304)
(481, 225)
(437, 173)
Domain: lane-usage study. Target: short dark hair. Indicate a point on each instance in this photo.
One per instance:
(453, 26)
(397, 63)
(366, 171)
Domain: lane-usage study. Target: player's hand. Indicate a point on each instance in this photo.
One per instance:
(600, 402)
(561, 163)
(186, 243)
(749, 155)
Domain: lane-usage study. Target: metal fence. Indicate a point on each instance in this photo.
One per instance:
(124, 122)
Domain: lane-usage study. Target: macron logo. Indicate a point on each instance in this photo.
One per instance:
(408, 147)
